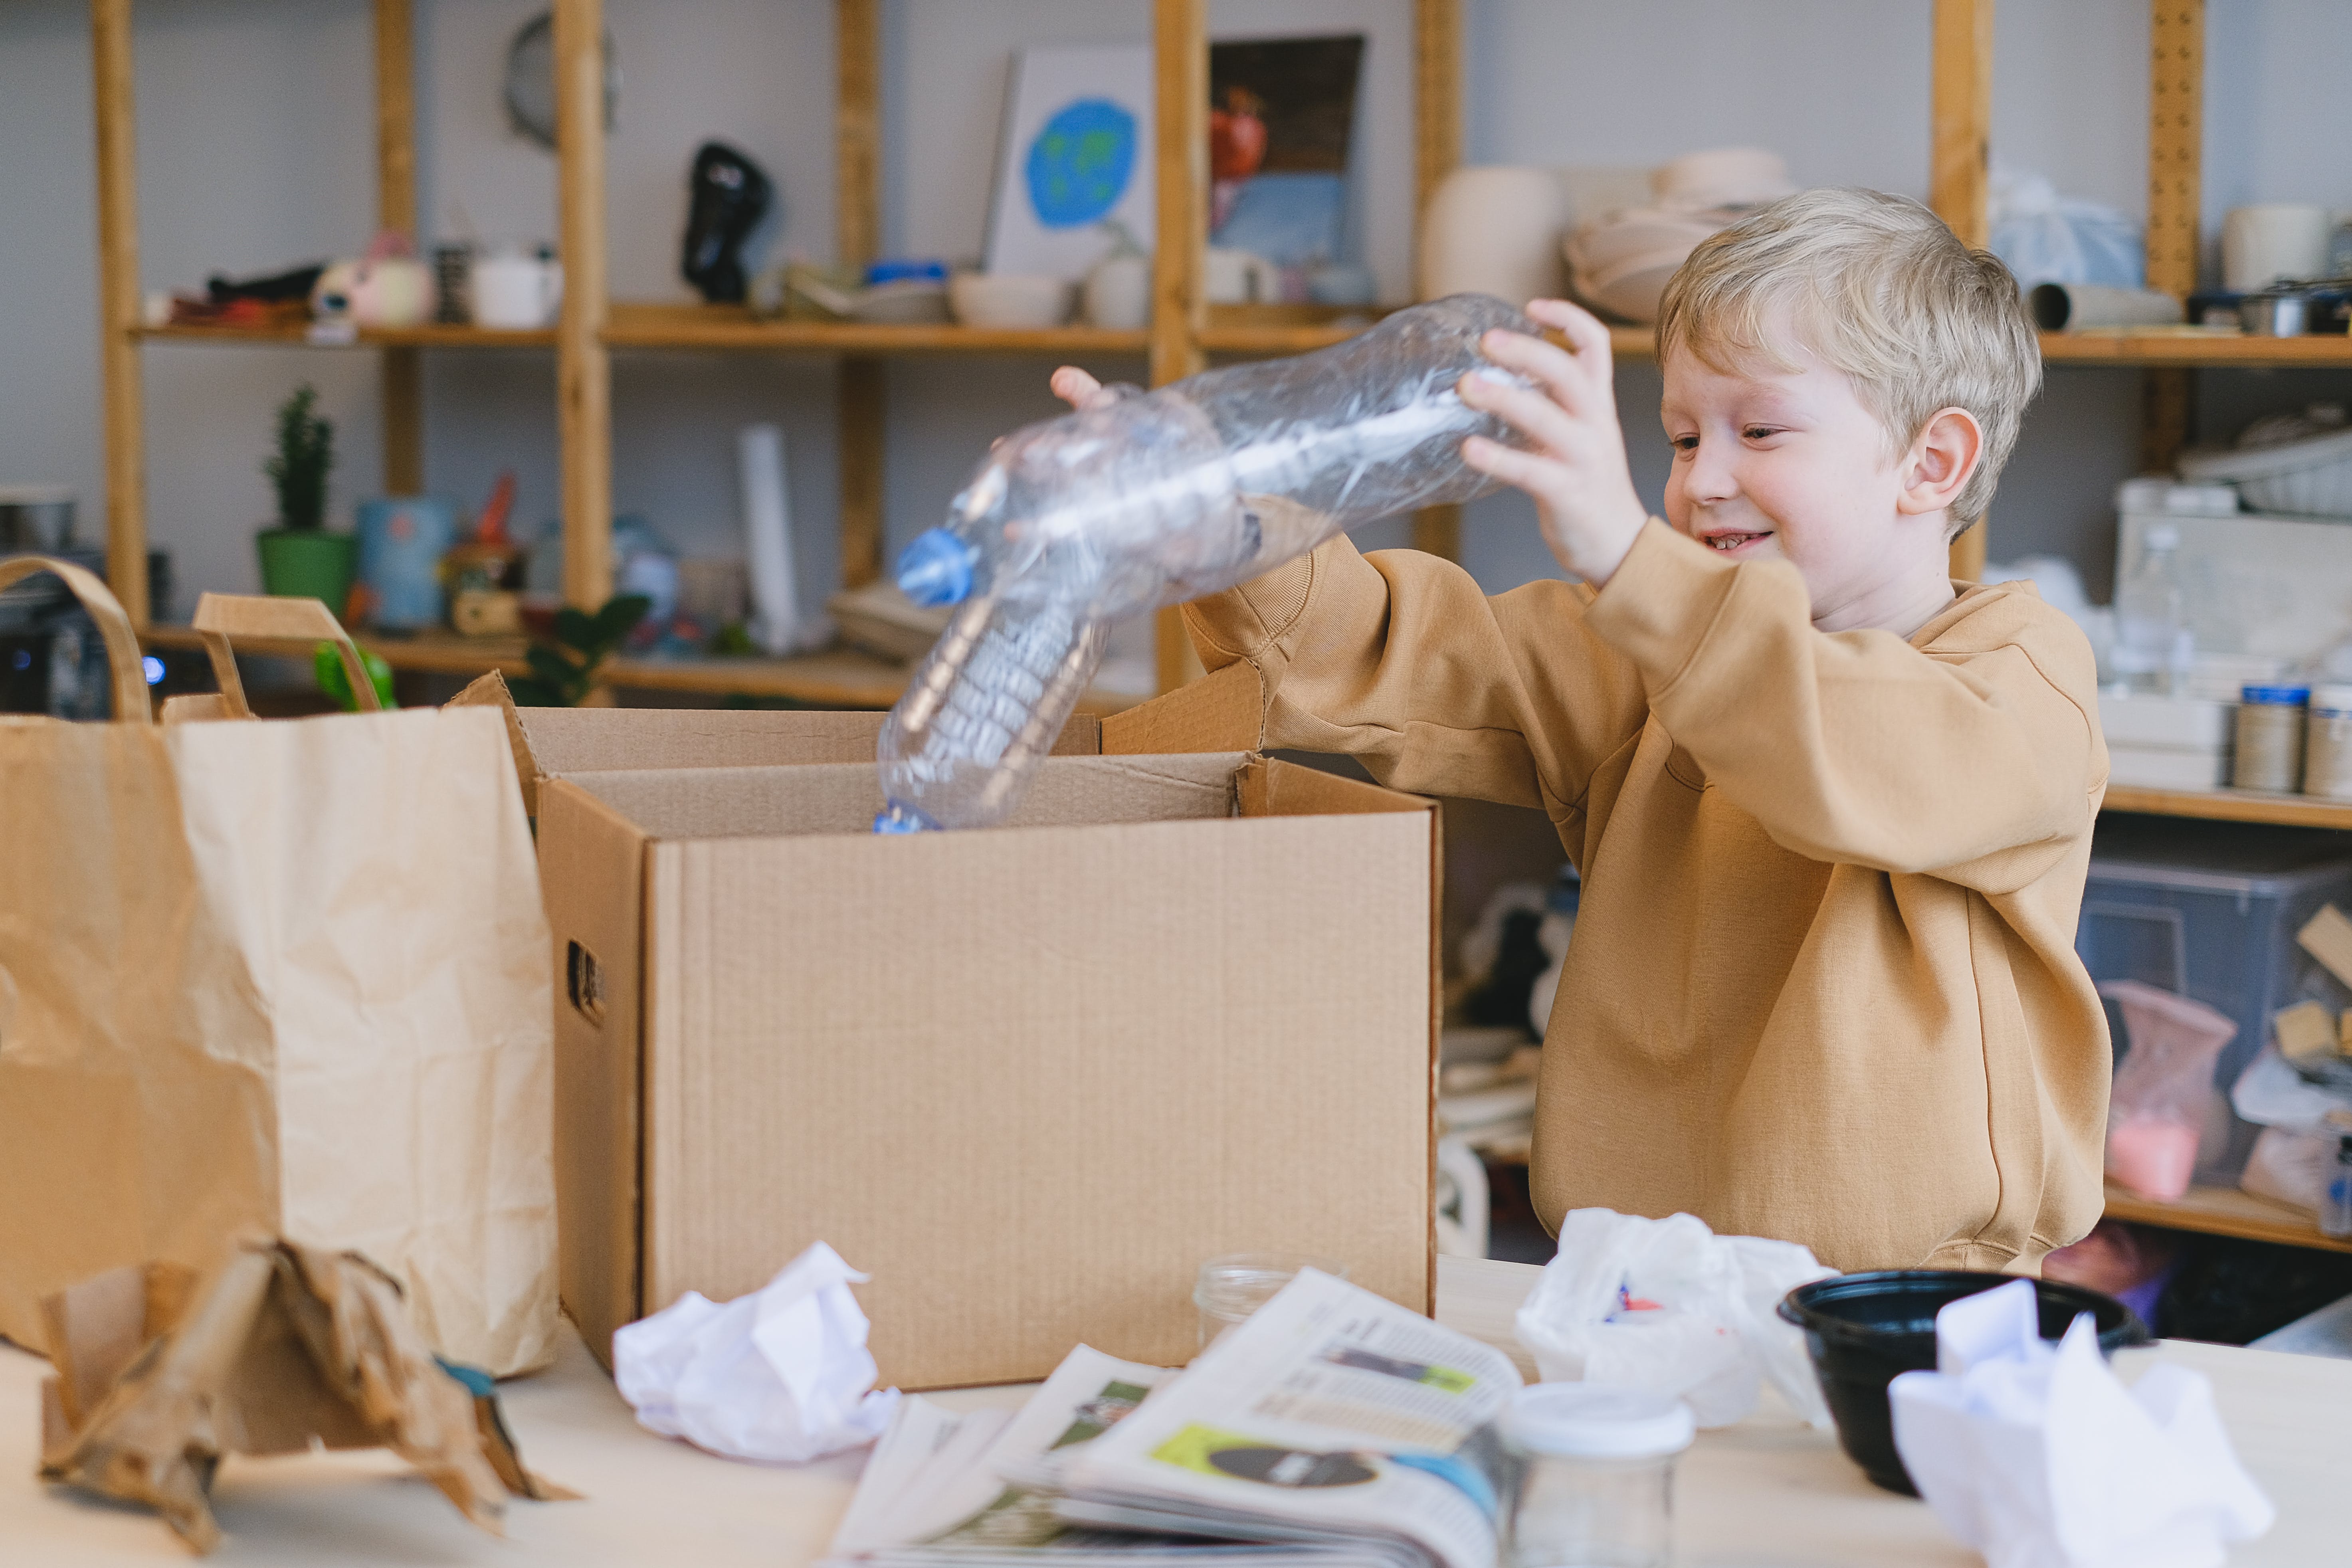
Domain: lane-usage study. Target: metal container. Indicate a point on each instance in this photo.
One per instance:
(35, 519)
(2284, 313)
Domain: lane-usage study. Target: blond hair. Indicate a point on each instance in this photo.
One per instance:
(1878, 287)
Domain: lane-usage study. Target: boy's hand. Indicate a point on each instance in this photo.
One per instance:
(1576, 470)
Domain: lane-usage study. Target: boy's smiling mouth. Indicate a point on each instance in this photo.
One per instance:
(1730, 542)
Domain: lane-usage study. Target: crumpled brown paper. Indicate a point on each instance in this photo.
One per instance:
(158, 1377)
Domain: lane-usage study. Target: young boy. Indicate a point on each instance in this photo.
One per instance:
(1832, 814)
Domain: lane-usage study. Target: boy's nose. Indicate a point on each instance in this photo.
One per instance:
(1709, 478)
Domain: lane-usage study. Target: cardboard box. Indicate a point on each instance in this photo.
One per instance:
(1029, 1077)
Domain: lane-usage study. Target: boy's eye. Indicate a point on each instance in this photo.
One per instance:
(1684, 443)
(1758, 432)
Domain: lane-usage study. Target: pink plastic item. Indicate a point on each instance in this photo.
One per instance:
(2157, 1108)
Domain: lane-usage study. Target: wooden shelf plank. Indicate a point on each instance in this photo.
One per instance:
(2191, 346)
(442, 653)
(2224, 1211)
(433, 335)
(659, 326)
(2231, 806)
(839, 678)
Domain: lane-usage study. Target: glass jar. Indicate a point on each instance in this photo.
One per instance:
(2327, 744)
(1596, 1475)
(1232, 1287)
(2270, 738)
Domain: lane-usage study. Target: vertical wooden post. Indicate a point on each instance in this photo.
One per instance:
(584, 370)
(118, 306)
(396, 208)
(1180, 60)
(861, 391)
(1961, 109)
(2175, 148)
(1437, 150)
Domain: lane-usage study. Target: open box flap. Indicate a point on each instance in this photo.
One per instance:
(837, 798)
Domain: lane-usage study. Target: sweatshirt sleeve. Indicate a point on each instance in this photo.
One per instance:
(1977, 765)
(1398, 659)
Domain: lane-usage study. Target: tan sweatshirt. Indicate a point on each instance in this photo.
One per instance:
(1823, 984)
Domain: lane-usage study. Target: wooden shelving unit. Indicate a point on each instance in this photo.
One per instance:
(1185, 331)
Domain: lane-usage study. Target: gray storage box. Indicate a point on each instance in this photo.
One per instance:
(2210, 909)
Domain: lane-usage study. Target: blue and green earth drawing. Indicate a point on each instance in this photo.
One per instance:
(1081, 162)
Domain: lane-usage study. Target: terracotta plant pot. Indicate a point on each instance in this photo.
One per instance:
(308, 562)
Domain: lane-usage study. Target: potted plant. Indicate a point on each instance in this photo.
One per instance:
(299, 556)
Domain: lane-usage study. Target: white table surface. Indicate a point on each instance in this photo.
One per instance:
(1768, 1493)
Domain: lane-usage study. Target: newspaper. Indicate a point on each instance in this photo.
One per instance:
(1331, 1414)
(1331, 1429)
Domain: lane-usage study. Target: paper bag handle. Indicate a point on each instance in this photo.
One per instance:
(122, 661)
(273, 618)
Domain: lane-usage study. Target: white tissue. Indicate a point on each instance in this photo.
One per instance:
(1669, 1306)
(2041, 1459)
(783, 1374)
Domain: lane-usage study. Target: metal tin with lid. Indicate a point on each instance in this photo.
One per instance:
(2327, 743)
(2270, 738)
(1596, 1474)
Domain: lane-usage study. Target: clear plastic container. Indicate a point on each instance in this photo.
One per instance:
(1596, 1484)
(1155, 498)
(2269, 752)
(1232, 1287)
(2154, 647)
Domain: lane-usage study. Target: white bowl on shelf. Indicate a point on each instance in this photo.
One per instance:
(1019, 302)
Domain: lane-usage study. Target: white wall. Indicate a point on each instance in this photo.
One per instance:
(255, 154)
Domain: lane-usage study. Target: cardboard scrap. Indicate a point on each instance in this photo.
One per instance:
(2327, 937)
(158, 1377)
(2305, 1030)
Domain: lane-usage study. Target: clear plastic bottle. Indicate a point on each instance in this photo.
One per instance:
(1155, 498)
(2335, 1214)
(2154, 645)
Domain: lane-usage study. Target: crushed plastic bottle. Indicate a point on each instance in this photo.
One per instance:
(1154, 499)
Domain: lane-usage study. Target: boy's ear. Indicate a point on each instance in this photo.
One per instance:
(1939, 462)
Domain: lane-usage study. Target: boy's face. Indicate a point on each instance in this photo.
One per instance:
(1794, 466)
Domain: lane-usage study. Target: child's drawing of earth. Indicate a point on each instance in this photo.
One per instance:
(1081, 162)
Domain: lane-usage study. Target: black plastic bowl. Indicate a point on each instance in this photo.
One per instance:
(1863, 1329)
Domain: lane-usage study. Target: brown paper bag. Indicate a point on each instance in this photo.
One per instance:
(288, 977)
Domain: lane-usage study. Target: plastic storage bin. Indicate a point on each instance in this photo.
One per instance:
(2209, 910)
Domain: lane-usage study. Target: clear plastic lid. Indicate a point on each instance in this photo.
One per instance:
(1598, 1421)
(2333, 698)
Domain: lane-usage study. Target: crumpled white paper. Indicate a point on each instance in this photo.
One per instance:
(2041, 1459)
(781, 1374)
(1669, 1306)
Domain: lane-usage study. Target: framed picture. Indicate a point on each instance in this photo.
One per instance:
(1281, 113)
(1075, 150)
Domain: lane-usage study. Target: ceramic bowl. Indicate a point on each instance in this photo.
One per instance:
(1862, 1330)
(1009, 299)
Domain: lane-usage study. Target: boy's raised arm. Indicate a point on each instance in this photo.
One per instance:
(1976, 758)
(1399, 658)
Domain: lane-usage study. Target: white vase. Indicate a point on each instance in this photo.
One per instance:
(1493, 230)
(1119, 291)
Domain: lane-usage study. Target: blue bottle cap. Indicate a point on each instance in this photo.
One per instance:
(897, 817)
(936, 569)
(2276, 696)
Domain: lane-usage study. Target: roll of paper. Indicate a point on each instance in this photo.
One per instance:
(2076, 307)
(775, 623)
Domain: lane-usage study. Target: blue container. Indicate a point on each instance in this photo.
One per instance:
(402, 541)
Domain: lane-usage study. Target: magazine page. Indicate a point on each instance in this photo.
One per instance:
(1332, 1411)
(953, 1492)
